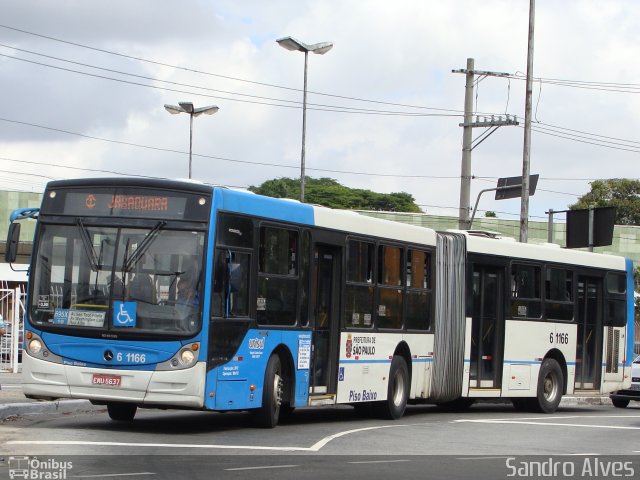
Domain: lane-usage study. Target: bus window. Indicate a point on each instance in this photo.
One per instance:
(616, 310)
(558, 294)
(418, 314)
(230, 296)
(277, 277)
(526, 301)
(358, 308)
(389, 287)
(305, 266)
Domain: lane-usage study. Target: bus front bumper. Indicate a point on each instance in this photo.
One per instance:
(177, 388)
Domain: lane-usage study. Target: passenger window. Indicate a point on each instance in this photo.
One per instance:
(277, 276)
(418, 313)
(230, 296)
(526, 301)
(616, 310)
(358, 308)
(389, 287)
(235, 231)
(559, 294)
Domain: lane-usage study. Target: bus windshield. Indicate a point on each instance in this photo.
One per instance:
(117, 281)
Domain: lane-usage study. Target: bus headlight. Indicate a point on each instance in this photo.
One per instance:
(35, 346)
(186, 357)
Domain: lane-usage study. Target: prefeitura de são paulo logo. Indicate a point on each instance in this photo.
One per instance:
(349, 345)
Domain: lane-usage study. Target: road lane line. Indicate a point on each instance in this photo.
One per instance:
(314, 448)
(382, 461)
(550, 424)
(485, 458)
(321, 443)
(154, 445)
(259, 468)
(108, 475)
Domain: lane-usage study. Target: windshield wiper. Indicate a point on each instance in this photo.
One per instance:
(88, 246)
(144, 245)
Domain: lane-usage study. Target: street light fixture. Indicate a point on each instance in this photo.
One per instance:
(187, 107)
(294, 45)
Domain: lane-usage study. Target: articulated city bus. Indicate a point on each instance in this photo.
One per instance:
(168, 294)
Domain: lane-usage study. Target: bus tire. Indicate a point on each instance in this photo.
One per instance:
(121, 412)
(397, 391)
(268, 414)
(620, 402)
(550, 384)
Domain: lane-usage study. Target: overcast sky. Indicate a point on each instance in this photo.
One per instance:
(83, 84)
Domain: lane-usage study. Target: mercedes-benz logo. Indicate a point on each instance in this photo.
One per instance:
(108, 355)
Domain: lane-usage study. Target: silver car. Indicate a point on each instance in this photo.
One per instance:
(621, 398)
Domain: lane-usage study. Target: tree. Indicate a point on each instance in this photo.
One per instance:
(622, 193)
(490, 214)
(329, 193)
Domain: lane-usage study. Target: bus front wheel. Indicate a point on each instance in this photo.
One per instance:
(122, 412)
(550, 385)
(268, 414)
(398, 390)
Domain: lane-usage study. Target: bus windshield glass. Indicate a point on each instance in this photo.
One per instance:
(117, 281)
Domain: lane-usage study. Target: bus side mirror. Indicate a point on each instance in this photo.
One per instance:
(13, 239)
(235, 277)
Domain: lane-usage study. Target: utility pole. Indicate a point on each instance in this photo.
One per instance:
(465, 174)
(526, 151)
(464, 222)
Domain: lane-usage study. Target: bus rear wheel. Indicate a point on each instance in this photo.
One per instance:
(550, 385)
(121, 412)
(398, 390)
(268, 414)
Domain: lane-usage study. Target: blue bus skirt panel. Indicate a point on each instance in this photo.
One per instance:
(630, 313)
(228, 386)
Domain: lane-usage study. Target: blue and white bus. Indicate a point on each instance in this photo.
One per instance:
(169, 294)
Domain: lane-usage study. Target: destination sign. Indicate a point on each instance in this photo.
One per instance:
(128, 202)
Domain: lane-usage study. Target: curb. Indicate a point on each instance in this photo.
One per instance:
(33, 408)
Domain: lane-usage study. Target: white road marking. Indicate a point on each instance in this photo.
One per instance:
(259, 468)
(112, 475)
(484, 458)
(318, 445)
(550, 424)
(382, 461)
(155, 445)
(314, 448)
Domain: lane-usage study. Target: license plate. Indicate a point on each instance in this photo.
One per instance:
(106, 380)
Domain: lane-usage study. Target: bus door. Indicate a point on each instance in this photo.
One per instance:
(487, 327)
(326, 314)
(589, 341)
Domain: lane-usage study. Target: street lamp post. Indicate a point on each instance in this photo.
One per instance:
(187, 107)
(292, 44)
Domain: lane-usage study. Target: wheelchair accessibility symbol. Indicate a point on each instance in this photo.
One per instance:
(124, 314)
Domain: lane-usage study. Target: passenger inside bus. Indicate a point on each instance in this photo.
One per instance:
(141, 287)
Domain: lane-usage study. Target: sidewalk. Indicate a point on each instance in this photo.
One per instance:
(14, 403)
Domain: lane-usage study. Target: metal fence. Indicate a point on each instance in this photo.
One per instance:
(12, 302)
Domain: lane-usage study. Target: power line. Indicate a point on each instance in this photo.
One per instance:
(201, 72)
(213, 157)
(315, 107)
